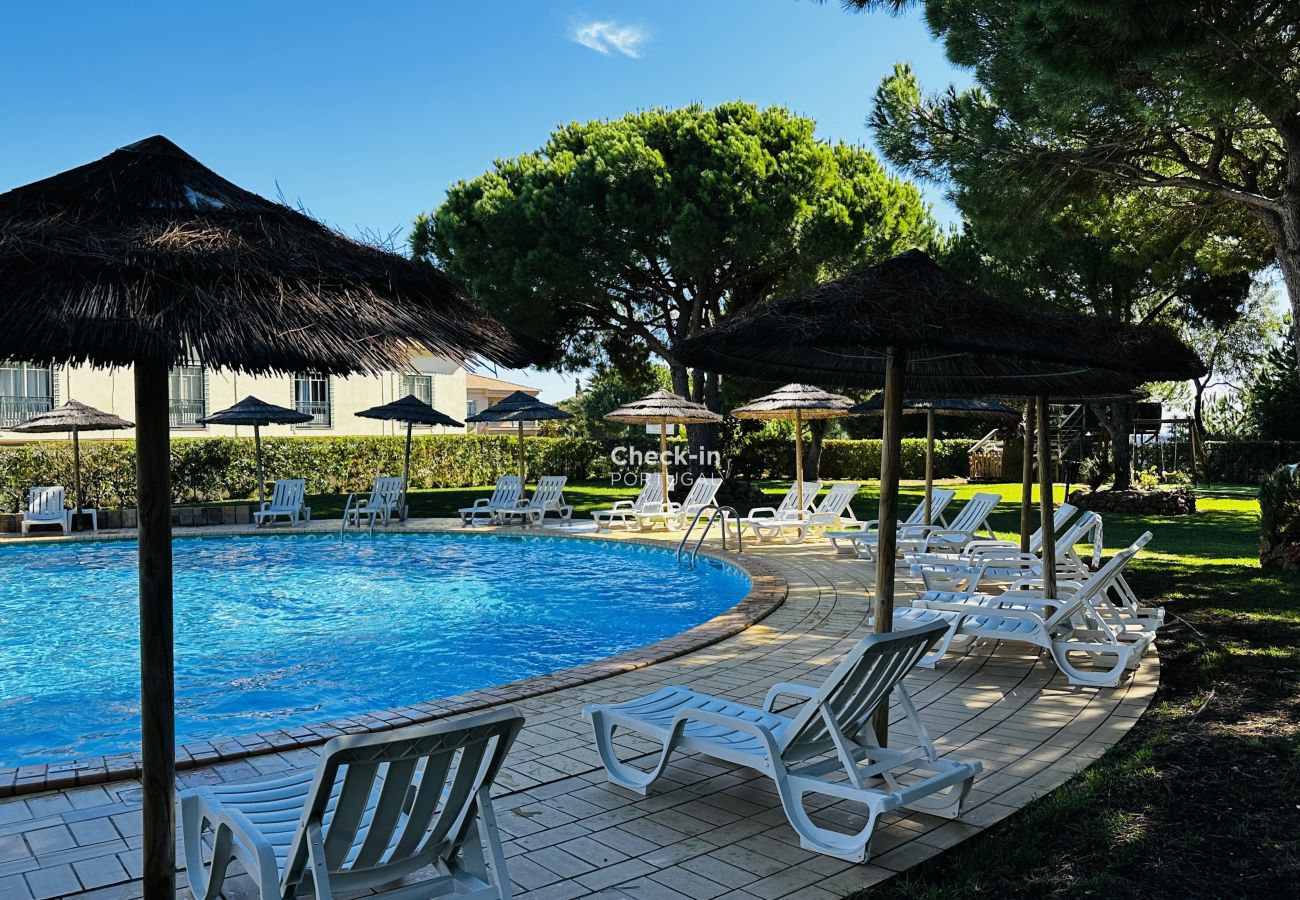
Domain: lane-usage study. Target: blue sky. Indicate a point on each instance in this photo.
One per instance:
(365, 113)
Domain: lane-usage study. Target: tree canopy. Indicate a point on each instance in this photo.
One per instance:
(1273, 397)
(1188, 98)
(621, 238)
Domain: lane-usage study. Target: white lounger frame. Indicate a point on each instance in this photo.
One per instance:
(45, 507)
(834, 511)
(624, 513)
(862, 540)
(827, 747)
(486, 510)
(288, 499)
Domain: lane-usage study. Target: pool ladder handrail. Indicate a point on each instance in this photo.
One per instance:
(714, 513)
(343, 526)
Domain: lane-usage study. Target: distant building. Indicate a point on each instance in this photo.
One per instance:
(27, 389)
(482, 391)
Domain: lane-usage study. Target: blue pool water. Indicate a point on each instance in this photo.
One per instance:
(282, 630)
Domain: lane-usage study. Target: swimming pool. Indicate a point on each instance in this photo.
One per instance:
(297, 629)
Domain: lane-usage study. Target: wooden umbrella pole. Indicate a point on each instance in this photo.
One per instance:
(406, 470)
(157, 691)
(523, 474)
(261, 479)
(663, 457)
(1045, 502)
(80, 501)
(887, 544)
(798, 457)
(929, 466)
(1027, 479)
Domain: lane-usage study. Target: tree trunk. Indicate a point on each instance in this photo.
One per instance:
(1198, 404)
(1284, 229)
(812, 457)
(1121, 450)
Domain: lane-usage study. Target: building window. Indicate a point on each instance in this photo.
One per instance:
(419, 385)
(471, 408)
(187, 401)
(311, 395)
(25, 390)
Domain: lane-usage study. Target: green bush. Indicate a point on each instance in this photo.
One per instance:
(853, 460)
(1279, 519)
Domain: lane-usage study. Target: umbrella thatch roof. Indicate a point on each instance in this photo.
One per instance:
(958, 339)
(519, 407)
(252, 411)
(72, 415)
(809, 401)
(956, 407)
(148, 255)
(663, 405)
(410, 409)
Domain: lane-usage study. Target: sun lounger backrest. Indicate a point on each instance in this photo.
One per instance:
(1098, 582)
(702, 492)
(790, 502)
(939, 500)
(975, 513)
(387, 491)
(425, 777)
(507, 491)
(1059, 518)
(858, 685)
(1087, 524)
(45, 503)
(838, 498)
(549, 491)
(288, 493)
(651, 498)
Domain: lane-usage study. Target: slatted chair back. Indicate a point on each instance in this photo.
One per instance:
(45, 504)
(507, 492)
(1086, 527)
(789, 506)
(1095, 584)
(386, 493)
(384, 805)
(939, 500)
(651, 498)
(843, 705)
(702, 493)
(837, 499)
(972, 517)
(549, 492)
(289, 493)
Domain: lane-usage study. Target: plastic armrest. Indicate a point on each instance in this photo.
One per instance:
(759, 511)
(787, 688)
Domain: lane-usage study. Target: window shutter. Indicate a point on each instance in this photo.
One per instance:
(54, 385)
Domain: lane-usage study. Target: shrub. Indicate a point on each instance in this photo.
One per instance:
(852, 459)
(1279, 519)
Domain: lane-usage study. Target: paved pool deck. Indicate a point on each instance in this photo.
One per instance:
(706, 830)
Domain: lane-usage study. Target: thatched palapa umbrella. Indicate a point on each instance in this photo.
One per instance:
(258, 413)
(520, 408)
(799, 402)
(953, 406)
(147, 258)
(73, 417)
(908, 325)
(413, 411)
(662, 407)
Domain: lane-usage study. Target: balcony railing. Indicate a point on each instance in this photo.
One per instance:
(320, 409)
(19, 409)
(185, 413)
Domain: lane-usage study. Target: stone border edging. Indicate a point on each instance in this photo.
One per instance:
(768, 590)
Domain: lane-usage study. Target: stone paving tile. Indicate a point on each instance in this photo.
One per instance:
(706, 830)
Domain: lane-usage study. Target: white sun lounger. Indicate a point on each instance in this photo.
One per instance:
(381, 505)
(547, 499)
(788, 510)
(486, 510)
(826, 747)
(288, 499)
(979, 566)
(1063, 626)
(676, 516)
(45, 507)
(624, 513)
(971, 519)
(862, 540)
(377, 808)
(832, 512)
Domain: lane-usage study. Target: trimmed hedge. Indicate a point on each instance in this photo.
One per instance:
(1279, 520)
(854, 460)
(211, 469)
(205, 470)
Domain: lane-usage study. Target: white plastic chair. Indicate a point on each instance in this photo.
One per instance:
(45, 507)
(377, 808)
(1064, 625)
(965, 527)
(547, 498)
(486, 510)
(827, 747)
(832, 512)
(675, 516)
(862, 539)
(788, 510)
(624, 512)
(381, 505)
(288, 499)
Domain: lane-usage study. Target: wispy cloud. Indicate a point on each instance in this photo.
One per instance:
(604, 37)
